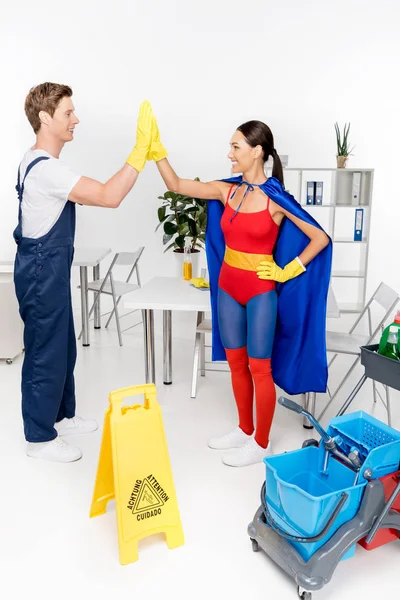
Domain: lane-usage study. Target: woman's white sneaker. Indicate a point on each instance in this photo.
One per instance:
(233, 439)
(249, 454)
(56, 450)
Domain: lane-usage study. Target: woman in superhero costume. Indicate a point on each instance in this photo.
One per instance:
(269, 264)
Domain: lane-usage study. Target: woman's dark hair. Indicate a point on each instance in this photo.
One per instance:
(258, 133)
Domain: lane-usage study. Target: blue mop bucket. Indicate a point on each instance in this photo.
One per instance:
(301, 498)
(378, 444)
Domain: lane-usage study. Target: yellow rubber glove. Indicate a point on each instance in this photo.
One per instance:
(138, 156)
(271, 271)
(199, 282)
(157, 150)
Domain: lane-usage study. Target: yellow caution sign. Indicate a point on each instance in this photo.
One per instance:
(134, 468)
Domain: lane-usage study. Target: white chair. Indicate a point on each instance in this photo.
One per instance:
(349, 343)
(200, 363)
(199, 359)
(115, 288)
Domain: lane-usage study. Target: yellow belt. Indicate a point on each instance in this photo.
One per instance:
(244, 260)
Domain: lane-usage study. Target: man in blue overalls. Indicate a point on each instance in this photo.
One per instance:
(48, 191)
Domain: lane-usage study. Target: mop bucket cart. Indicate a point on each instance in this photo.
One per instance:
(318, 502)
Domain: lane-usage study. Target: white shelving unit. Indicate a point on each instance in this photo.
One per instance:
(336, 215)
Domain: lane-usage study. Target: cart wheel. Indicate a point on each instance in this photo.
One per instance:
(304, 595)
(308, 443)
(9, 361)
(254, 545)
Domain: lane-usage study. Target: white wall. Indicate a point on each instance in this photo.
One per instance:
(206, 67)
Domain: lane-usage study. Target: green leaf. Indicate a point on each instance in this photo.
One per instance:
(192, 227)
(170, 228)
(338, 139)
(161, 213)
(180, 207)
(182, 218)
(171, 195)
(180, 241)
(169, 218)
(342, 142)
(166, 239)
(203, 219)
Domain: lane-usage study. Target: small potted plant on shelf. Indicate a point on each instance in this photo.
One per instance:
(343, 151)
(184, 221)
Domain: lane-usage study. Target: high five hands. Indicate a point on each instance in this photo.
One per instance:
(148, 144)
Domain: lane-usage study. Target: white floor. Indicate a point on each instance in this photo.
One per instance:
(50, 548)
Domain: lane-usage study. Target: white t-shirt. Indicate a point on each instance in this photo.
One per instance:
(46, 190)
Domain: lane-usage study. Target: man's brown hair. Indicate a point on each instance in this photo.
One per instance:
(45, 96)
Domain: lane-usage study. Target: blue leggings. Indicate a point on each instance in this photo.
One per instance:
(252, 325)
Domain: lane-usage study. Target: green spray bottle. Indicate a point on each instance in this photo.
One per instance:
(385, 334)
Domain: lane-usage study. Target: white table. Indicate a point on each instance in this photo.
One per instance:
(173, 293)
(166, 294)
(84, 258)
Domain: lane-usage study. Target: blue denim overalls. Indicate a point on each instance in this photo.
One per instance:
(42, 283)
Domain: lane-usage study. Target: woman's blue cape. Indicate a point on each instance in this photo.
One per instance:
(299, 361)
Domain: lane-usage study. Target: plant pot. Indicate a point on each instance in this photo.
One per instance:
(341, 161)
(179, 254)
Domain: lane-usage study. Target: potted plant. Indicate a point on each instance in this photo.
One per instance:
(343, 151)
(184, 221)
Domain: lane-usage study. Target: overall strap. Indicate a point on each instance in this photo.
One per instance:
(20, 187)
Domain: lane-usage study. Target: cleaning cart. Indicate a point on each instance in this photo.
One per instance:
(318, 502)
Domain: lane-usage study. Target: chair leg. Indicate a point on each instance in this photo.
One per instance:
(203, 354)
(195, 370)
(116, 315)
(353, 366)
(332, 359)
(352, 395)
(112, 312)
(374, 389)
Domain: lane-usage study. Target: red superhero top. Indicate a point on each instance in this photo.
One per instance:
(246, 235)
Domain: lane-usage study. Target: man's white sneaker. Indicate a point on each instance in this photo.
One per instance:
(249, 454)
(75, 425)
(233, 439)
(55, 450)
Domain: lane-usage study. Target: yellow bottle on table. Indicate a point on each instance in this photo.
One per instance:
(187, 264)
(187, 271)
